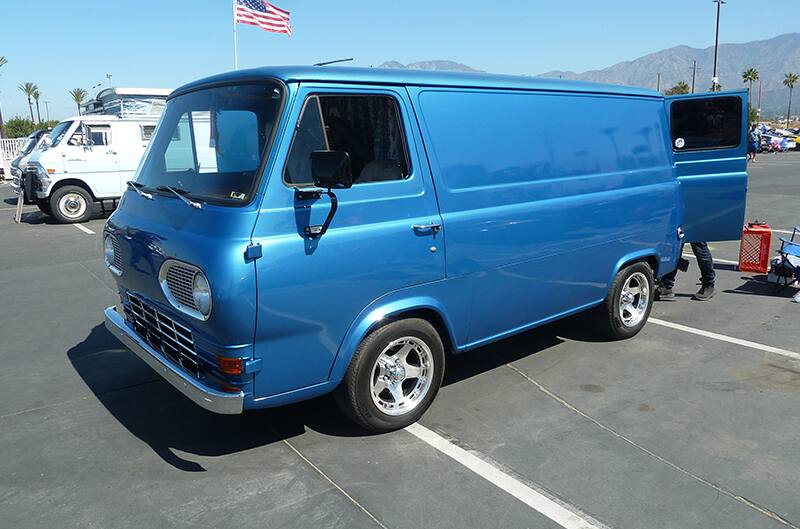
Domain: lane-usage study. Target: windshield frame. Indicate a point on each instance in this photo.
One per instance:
(56, 141)
(268, 145)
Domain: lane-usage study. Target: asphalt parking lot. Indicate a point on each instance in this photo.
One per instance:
(684, 426)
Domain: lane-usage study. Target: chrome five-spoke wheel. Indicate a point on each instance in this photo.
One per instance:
(401, 375)
(634, 299)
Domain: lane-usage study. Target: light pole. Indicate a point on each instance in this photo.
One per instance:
(714, 78)
(47, 109)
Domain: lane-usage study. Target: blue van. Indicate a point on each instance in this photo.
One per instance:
(295, 231)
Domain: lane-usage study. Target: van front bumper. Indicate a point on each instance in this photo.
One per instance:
(200, 394)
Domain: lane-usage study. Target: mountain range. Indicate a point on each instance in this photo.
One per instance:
(772, 58)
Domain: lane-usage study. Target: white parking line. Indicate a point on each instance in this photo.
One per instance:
(84, 229)
(552, 509)
(787, 232)
(724, 338)
(721, 261)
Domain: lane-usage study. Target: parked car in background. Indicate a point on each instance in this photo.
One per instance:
(286, 234)
(86, 160)
(18, 164)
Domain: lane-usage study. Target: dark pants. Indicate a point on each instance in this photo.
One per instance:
(704, 261)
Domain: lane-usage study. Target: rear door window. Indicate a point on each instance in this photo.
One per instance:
(703, 124)
(367, 127)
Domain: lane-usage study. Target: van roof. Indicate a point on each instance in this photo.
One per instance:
(392, 76)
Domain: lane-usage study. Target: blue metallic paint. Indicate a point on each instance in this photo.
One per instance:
(512, 255)
(713, 183)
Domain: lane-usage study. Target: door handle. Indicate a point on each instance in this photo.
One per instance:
(434, 227)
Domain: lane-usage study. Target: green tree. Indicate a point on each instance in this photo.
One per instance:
(36, 95)
(789, 80)
(750, 76)
(753, 114)
(29, 89)
(18, 127)
(681, 88)
(79, 96)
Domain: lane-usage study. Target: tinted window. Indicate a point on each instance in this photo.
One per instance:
(706, 123)
(367, 127)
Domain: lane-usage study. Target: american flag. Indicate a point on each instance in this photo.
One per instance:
(264, 15)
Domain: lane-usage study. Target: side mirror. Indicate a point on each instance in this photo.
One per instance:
(47, 141)
(331, 169)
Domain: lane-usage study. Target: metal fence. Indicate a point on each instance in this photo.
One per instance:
(10, 147)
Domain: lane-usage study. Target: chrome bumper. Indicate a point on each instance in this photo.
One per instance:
(208, 398)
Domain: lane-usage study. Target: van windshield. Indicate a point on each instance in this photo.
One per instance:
(58, 132)
(210, 143)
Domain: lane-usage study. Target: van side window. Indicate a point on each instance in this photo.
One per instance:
(99, 134)
(700, 124)
(367, 127)
(147, 132)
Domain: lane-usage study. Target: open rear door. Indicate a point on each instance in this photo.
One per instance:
(709, 133)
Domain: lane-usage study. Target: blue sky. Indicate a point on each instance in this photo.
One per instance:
(164, 43)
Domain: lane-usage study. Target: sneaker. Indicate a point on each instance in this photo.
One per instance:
(664, 293)
(704, 294)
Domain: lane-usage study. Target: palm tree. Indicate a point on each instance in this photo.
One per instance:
(36, 95)
(790, 80)
(682, 87)
(750, 76)
(79, 96)
(29, 89)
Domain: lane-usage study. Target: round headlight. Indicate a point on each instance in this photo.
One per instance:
(108, 251)
(201, 293)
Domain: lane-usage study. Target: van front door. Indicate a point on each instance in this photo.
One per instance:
(386, 234)
(90, 155)
(708, 133)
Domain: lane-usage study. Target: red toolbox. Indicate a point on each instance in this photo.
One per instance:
(754, 249)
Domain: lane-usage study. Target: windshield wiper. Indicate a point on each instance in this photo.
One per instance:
(136, 186)
(179, 193)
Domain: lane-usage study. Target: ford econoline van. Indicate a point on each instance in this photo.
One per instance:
(86, 159)
(296, 231)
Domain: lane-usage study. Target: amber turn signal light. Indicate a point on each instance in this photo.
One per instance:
(230, 366)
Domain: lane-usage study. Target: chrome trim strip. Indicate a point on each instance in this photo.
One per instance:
(204, 396)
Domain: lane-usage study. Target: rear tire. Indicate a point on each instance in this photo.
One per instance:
(625, 310)
(44, 206)
(70, 204)
(393, 376)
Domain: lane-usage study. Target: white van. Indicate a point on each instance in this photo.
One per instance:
(87, 159)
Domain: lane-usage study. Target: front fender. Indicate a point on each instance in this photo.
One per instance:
(382, 310)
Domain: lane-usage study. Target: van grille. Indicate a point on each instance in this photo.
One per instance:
(117, 263)
(180, 279)
(164, 334)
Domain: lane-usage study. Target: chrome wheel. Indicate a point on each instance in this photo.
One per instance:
(72, 205)
(634, 299)
(401, 376)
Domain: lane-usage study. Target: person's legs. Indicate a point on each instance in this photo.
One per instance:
(707, 275)
(666, 282)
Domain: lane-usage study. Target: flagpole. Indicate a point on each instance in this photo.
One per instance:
(235, 50)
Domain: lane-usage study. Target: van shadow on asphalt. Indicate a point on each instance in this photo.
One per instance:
(159, 415)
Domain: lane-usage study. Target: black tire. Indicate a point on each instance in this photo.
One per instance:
(70, 204)
(44, 206)
(609, 317)
(354, 395)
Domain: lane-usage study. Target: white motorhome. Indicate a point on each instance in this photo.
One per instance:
(87, 159)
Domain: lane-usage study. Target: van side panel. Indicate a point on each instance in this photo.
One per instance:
(310, 291)
(542, 194)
